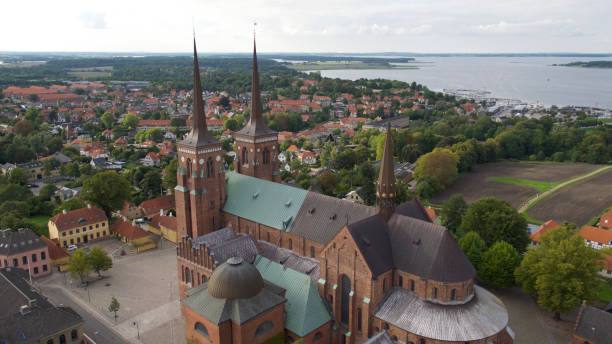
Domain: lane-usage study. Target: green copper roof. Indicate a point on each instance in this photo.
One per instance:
(272, 204)
(306, 311)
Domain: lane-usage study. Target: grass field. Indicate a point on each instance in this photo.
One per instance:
(40, 220)
(606, 293)
(540, 186)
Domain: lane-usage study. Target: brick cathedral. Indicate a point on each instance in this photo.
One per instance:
(260, 261)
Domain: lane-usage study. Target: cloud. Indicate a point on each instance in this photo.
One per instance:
(93, 20)
(566, 26)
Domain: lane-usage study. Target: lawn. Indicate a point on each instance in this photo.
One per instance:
(540, 186)
(40, 220)
(606, 293)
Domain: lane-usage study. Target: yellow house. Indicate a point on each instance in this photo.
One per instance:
(131, 234)
(79, 226)
(58, 255)
(164, 226)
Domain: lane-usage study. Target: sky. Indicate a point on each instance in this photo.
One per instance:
(421, 26)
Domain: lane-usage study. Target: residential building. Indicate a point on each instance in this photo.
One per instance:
(152, 159)
(606, 220)
(593, 326)
(58, 255)
(133, 235)
(354, 196)
(27, 317)
(545, 227)
(606, 269)
(164, 226)
(597, 238)
(153, 206)
(23, 249)
(79, 226)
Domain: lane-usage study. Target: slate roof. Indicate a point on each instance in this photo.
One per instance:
(224, 244)
(78, 218)
(239, 311)
(594, 324)
(427, 250)
(306, 311)
(22, 240)
(43, 320)
(291, 260)
(372, 239)
(413, 208)
(321, 217)
(272, 204)
(483, 316)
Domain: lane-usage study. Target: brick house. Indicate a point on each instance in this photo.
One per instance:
(24, 250)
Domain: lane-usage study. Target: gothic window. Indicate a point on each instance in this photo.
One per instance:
(344, 307)
(201, 329)
(245, 156)
(210, 169)
(266, 156)
(264, 328)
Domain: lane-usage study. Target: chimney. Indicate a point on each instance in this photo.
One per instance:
(161, 212)
(89, 205)
(134, 222)
(64, 211)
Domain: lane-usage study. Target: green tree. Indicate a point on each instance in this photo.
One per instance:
(498, 265)
(150, 184)
(18, 176)
(47, 192)
(561, 271)
(78, 265)
(71, 204)
(495, 220)
(474, 247)
(440, 164)
(230, 124)
(169, 181)
(99, 260)
(108, 190)
(107, 120)
(452, 212)
(131, 121)
(49, 165)
(428, 186)
(114, 307)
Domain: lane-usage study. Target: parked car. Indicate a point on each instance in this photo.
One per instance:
(72, 248)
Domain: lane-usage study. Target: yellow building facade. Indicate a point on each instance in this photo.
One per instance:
(79, 226)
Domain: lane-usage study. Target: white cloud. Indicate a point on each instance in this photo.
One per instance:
(93, 20)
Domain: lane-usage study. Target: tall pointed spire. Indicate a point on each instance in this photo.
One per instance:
(385, 190)
(199, 134)
(256, 125)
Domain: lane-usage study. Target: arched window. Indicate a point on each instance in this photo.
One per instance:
(317, 336)
(183, 274)
(187, 275)
(411, 285)
(245, 156)
(266, 156)
(435, 296)
(344, 301)
(189, 166)
(290, 244)
(453, 294)
(358, 319)
(210, 168)
(204, 278)
(401, 281)
(312, 251)
(264, 328)
(192, 276)
(201, 329)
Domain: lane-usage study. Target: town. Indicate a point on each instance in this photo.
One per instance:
(274, 202)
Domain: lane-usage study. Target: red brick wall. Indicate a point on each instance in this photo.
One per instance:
(425, 288)
(325, 330)
(255, 150)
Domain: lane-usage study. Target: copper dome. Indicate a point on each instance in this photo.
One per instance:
(235, 279)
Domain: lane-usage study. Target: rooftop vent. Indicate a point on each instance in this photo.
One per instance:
(333, 217)
(89, 205)
(82, 220)
(64, 211)
(311, 211)
(288, 203)
(255, 195)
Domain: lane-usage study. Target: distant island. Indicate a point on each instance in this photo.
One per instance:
(588, 64)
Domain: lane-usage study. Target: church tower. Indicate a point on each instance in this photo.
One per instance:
(385, 190)
(200, 191)
(256, 144)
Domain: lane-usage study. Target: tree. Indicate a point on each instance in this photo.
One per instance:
(131, 121)
(440, 164)
(107, 120)
(474, 247)
(18, 176)
(428, 186)
(498, 265)
(114, 307)
(495, 220)
(50, 165)
(230, 124)
(452, 212)
(169, 181)
(78, 265)
(99, 260)
(23, 128)
(108, 190)
(150, 184)
(47, 191)
(561, 271)
(71, 204)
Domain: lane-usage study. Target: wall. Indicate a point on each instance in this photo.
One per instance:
(94, 231)
(37, 268)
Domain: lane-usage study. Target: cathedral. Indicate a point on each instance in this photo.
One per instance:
(263, 262)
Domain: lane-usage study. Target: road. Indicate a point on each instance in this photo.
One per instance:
(538, 197)
(95, 329)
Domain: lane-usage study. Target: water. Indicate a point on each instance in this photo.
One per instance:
(531, 79)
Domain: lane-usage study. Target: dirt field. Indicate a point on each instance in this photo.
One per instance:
(476, 185)
(576, 203)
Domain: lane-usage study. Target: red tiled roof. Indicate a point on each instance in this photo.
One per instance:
(166, 221)
(606, 220)
(152, 206)
(55, 250)
(602, 236)
(128, 230)
(548, 225)
(78, 218)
